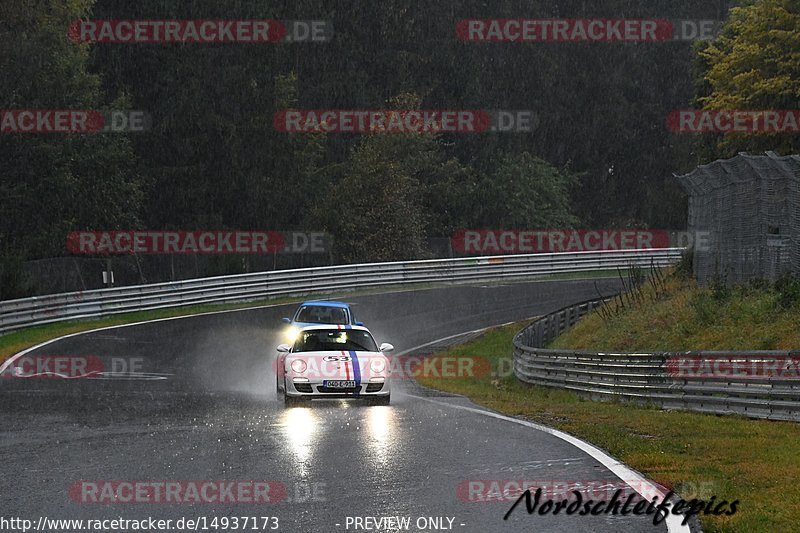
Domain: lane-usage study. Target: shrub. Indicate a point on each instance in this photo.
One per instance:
(787, 289)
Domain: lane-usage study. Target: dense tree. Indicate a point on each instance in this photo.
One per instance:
(51, 183)
(600, 108)
(375, 211)
(394, 191)
(755, 65)
(526, 192)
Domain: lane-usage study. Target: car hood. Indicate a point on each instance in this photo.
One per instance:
(322, 354)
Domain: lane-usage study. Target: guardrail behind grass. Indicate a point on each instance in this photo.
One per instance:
(17, 314)
(705, 381)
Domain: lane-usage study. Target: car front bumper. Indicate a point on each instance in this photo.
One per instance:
(316, 389)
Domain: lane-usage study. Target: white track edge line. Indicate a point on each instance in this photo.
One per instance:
(479, 330)
(646, 488)
(8, 362)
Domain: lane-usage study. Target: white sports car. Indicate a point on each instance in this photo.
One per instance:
(340, 361)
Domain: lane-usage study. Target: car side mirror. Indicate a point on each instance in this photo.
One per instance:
(386, 347)
(283, 348)
(359, 323)
(286, 320)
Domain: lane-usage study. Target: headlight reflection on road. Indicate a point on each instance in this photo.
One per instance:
(381, 428)
(300, 425)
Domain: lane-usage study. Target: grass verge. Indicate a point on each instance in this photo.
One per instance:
(684, 316)
(697, 455)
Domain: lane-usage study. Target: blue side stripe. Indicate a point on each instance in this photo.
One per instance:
(356, 368)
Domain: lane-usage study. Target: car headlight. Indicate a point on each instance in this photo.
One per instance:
(299, 366)
(291, 334)
(377, 365)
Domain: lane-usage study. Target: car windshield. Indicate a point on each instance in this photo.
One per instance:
(335, 340)
(321, 314)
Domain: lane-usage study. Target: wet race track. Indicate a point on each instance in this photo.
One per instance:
(192, 401)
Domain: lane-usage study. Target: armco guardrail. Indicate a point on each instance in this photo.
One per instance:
(758, 384)
(16, 314)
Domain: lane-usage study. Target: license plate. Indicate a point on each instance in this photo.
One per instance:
(339, 384)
